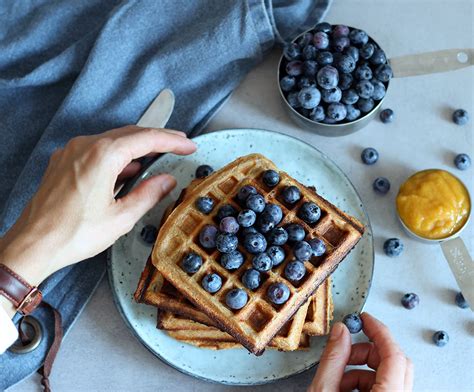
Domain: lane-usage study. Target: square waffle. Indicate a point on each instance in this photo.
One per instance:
(255, 325)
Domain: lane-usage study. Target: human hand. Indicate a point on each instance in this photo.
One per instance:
(74, 215)
(392, 370)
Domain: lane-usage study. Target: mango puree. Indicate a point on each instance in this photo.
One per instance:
(433, 204)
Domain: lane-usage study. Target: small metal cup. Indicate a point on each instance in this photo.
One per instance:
(455, 251)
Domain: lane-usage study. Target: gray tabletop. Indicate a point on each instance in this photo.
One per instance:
(100, 353)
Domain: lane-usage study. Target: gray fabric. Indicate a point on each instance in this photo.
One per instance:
(71, 68)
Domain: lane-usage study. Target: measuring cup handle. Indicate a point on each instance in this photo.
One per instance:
(432, 62)
(462, 266)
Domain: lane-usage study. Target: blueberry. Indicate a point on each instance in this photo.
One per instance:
(309, 97)
(461, 301)
(378, 57)
(349, 97)
(364, 88)
(384, 72)
(460, 117)
(324, 27)
(305, 81)
(256, 203)
(440, 338)
(229, 225)
(345, 81)
(278, 236)
(328, 77)
(352, 113)
(191, 263)
(353, 322)
(336, 111)
(363, 72)
(295, 232)
(255, 243)
(292, 99)
(207, 236)
(305, 40)
(226, 242)
(366, 51)
(328, 120)
(353, 52)
(149, 234)
(294, 68)
(295, 271)
(309, 52)
(212, 283)
(287, 83)
(245, 192)
(292, 52)
(393, 247)
(310, 67)
(331, 95)
(274, 212)
(358, 37)
(264, 223)
(462, 161)
(236, 299)
(410, 300)
(251, 279)
(320, 40)
(246, 218)
(379, 89)
(340, 43)
(302, 251)
(291, 194)
(318, 247)
(262, 262)
(232, 260)
(340, 31)
(317, 114)
(248, 230)
(203, 171)
(369, 156)
(381, 185)
(205, 204)
(225, 211)
(324, 58)
(365, 105)
(278, 293)
(387, 116)
(277, 254)
(309, 212)
(270, 178)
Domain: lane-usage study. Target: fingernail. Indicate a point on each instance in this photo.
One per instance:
(336, 331)
(167, 184)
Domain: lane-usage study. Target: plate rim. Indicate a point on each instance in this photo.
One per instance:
(134, 180)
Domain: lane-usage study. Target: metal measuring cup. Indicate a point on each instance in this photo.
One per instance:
(455, 251)
(404, 66)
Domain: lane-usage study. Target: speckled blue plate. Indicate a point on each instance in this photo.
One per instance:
(236, 366)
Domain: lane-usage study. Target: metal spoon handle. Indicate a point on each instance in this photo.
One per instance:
(432, 62)
(462, 267)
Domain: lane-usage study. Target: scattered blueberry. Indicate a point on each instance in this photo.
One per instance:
(302, 251)
(324, 58)
(336, 111)
(440, 338)
(384, 72)
(287, 83)
(378, 57)
(309, 212)
(191, 263)
(246, 218)
(295, 232)
(358, 37)
(393, 247)
(262, 262)
(277, 254)
(232, 260)
(251, 279)
(460, 117)
(369, 155)
(225, 211)
(352, 113)
(366, 51)
(462, 161)
(229, 225)
(292, 51)
(324, 27)
(461, 301)
(309, 97)
(236, 299)
(363, 72)
(349, 97)
(320, 40)
(149, 234)
(203, 171)
(245, 192)
(379, 89)
(340, 31)
(387, 116)
(278, 293)
(364, 88)
(255, 243)
(291, 194)
(381, 185)
(256, 203)
(270, 178)
(410, 300)
(205, 204)
(345, 81)
(207, 236)
(365, 105)
(294, 68)
(274, 212)
(295, 271)
(318, 247)
(331, 95)
(278, 236)
(212, 283)
(310, 67)
(327, 77)
(353, 322)
(226, 242)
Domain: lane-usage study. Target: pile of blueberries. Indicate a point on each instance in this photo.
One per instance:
(334, 74)
(255, 226)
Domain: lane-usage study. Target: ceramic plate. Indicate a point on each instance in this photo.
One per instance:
(236, 366)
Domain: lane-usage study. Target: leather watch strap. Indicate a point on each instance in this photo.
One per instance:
(13, 287)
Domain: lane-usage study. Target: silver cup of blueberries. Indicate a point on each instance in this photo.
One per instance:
(333, 79)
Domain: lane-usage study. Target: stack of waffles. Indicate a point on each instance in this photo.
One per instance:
(191, 314)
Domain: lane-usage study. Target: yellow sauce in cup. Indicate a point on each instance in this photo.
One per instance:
(433, 204)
